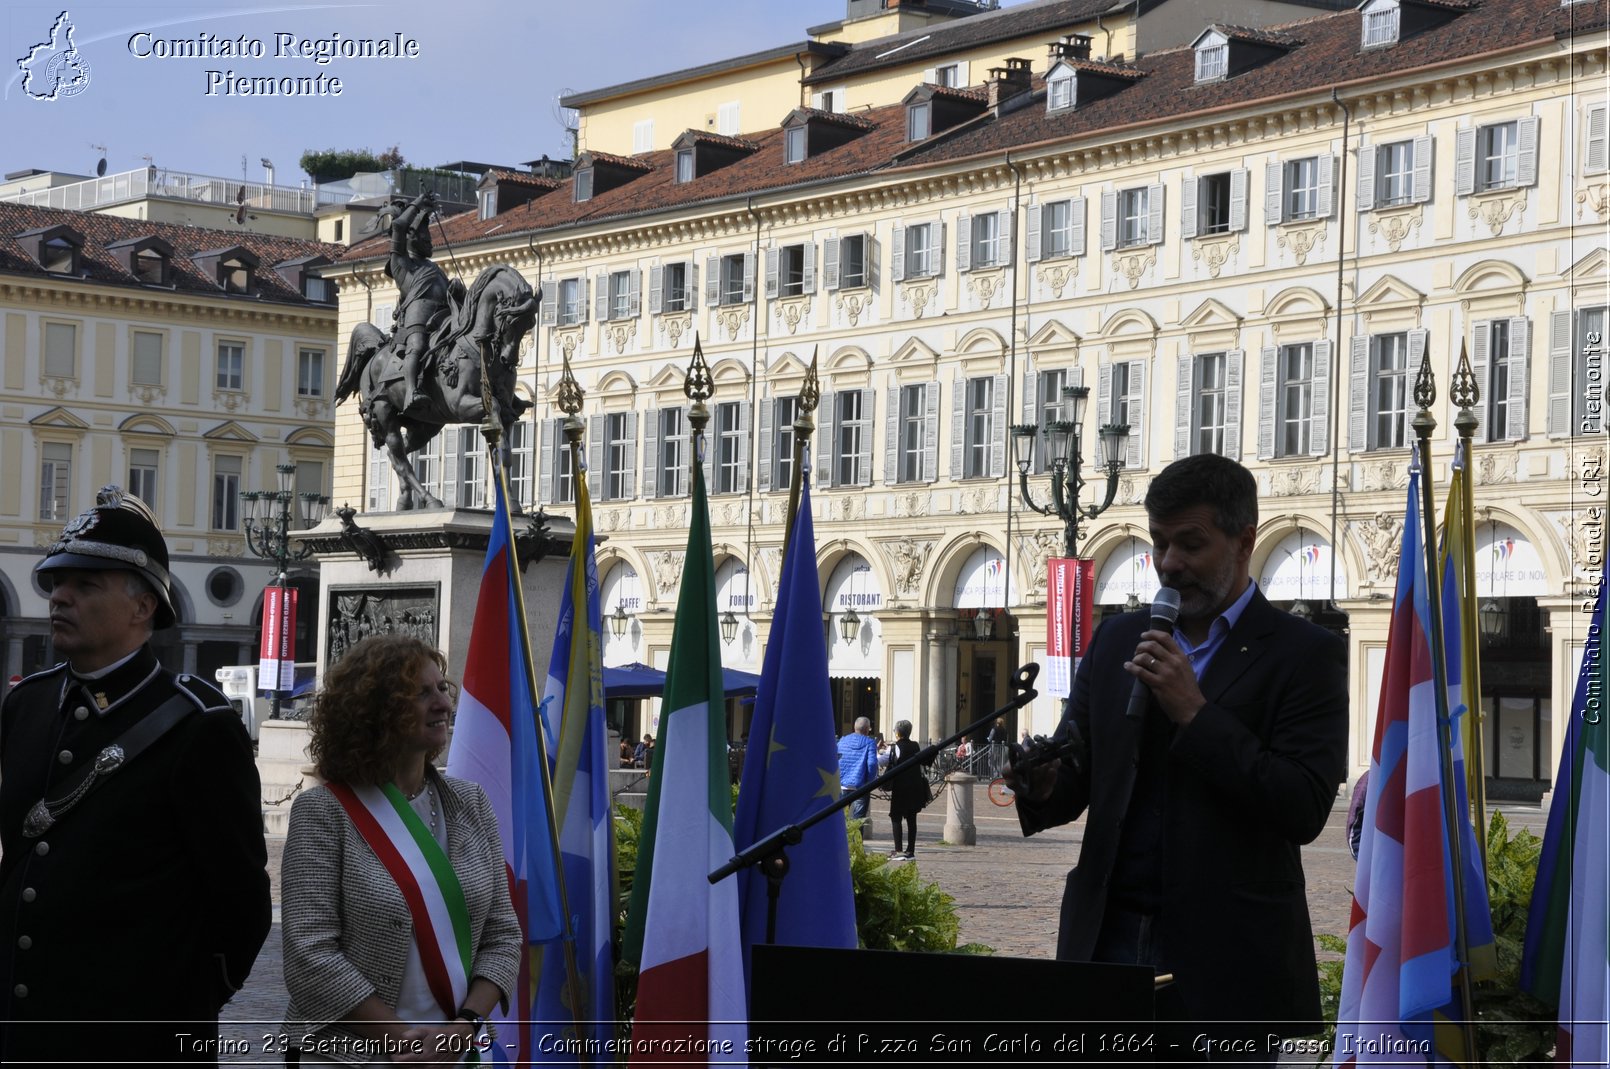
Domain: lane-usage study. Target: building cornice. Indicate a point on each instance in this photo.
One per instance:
(108, 300)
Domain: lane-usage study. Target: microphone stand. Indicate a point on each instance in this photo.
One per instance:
(770, 853)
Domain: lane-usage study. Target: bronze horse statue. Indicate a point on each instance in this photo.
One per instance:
(495, 313)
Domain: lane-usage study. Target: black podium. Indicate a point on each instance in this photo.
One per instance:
(863, 1007)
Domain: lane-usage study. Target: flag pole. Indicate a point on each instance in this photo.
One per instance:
(1425, 395)
(1465, 392)
(492, 431)
(810, 395)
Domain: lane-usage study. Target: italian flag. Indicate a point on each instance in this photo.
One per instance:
(1567, 953)
(683, 932)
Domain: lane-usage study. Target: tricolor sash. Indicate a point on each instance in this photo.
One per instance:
(418, 863)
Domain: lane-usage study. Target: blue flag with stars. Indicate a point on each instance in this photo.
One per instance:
(791, 768)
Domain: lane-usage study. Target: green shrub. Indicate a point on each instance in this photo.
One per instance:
(1511, 1025)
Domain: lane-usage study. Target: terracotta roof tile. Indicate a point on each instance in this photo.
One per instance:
(837, 118)
(98, 263)
(640, 162)
(522, 178)
(740, 143)
(1258, 35)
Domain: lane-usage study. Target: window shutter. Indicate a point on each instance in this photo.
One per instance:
(1325, 199)
(712, 281)
(863, 460)
(1319, 427)
(891, 437)
(1183, 392)
(771, 273)
(827, 441)
(938, 232)
(1480, 357)
(550, 301)
(1233, 361)
(1076, 226)
(1188, 187)
(601, 308)
(584, 298)
(964, 243)
(596, 482)
(1358, 395)
(1238, 200)
(1135, 450)
(1464, 162)
(1273, 175)
(1423, 147)
(1561, 329)
(746, 416)
(997, 429)
(810, 267)
(1006, 227)
(1520, 362)
(450, 472)
(830, 264)
(958, 425)
(547, 470)
(693, 285)
(1034, 252)
(1031, 391)
(930, 431)
(656, 289)
(768, 411)
(1103, 393)
(1366, 177)
(1418, 340)
(631, 456)
(1154, 214)
(651, 455)
(897, 255)
(1595, 156)
(1268, 384)
(1526, 161)
(691, 445)
(749, 277)
(634, 293)
(1109, 220)
(873, 276)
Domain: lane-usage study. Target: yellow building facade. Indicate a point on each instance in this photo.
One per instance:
(1234, 250)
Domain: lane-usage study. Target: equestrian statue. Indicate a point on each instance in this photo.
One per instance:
(427, 373)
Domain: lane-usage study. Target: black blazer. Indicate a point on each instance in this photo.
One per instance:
(1250, 780)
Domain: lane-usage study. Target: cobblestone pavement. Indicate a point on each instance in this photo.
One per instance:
(1007, 891)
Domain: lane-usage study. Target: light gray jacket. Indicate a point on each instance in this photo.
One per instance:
(346, 927)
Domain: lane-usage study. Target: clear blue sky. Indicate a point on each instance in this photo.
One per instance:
(483, 87)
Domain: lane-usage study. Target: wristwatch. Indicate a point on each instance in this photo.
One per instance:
(477, 1021)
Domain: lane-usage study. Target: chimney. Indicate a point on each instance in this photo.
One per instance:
(1007, 83)
(1071, 46)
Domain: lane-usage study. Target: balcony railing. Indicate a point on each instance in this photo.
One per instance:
(147, 182)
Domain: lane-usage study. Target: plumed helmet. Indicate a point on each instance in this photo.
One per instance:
(119, 533)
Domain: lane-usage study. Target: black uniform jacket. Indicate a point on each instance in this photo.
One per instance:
(146, 901)
(1251, 779)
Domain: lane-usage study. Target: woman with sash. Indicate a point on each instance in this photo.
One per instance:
(399, 934)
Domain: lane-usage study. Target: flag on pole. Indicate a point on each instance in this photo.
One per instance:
(681, 930)
(1566, 960)
(1397, 983)
(791, 767)
(495, 745)
(573, 714)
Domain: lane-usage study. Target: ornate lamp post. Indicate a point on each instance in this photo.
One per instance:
(1066, 461)
(269, 529)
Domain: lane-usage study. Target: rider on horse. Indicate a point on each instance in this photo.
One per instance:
(423, 288)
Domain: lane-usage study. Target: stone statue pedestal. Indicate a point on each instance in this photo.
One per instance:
(429, 589)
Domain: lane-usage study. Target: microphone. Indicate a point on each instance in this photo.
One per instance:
(1165, 610)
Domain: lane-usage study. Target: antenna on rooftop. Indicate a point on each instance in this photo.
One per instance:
(569, 119)
(100, 164)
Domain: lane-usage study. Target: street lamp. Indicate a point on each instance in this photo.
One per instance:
(269, 529)
(849, 626)
(729, 627)
(1065, 459)
(618, 621)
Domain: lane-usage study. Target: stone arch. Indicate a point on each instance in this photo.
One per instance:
(1128, 321)
(833, 553)
(1300, 301)
(311, 438)
(148, 423)
(1272, 530)
(1489, 275)
(1551, 550)
(940, 589)
(848, 358)
(981, 341)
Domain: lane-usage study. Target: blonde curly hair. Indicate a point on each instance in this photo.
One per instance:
(361, 712)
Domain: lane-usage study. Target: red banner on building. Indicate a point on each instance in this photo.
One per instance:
(1069, 595)
(276, 662)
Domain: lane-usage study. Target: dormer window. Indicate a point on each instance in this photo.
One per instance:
(317, 289)
(58, 256)
(919, 121)
(1059, 92)
(235, 275)
(584, 184)
(487, 201)
(684, 165)
(697, 153)
(149, 259)
(151, 267)
(794, 145)
(1381, 23)
(1212, 60)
